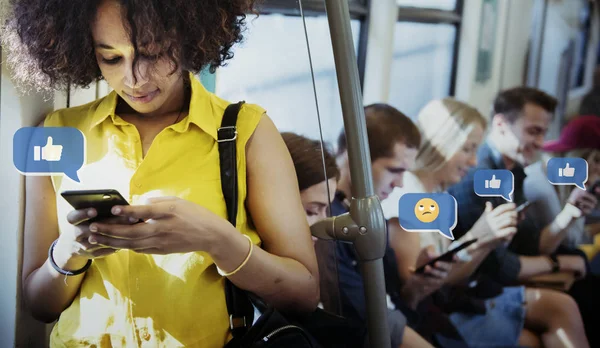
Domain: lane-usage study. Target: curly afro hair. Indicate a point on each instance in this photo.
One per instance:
(50, 45)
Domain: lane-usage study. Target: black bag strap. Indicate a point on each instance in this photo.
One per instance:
(241, 312)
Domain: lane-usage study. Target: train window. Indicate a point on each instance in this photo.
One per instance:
(421, 69)
(271, 68)
(582, 43)
(437, 4)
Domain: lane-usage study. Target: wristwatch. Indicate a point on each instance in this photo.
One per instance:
(555, 263)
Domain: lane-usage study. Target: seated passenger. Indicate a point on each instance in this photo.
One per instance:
(159, 282)
(566, 209)
(393, 142)
(452, 132)
(317, 189)
(519, 123)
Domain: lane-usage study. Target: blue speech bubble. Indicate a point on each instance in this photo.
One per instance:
(417, 213)
(568, 171)
(49, 151)
(494, 183)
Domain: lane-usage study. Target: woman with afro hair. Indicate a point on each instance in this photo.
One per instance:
(114, 282)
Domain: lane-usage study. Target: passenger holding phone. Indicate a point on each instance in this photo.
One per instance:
(156, 132)
(452, 132)
(317, 193)
(567, 212)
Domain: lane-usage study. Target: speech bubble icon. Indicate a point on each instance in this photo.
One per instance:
(494, 183)
(568, 171)
(49, 151)
(428, 212)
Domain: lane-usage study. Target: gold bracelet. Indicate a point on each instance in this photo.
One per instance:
(223, 274)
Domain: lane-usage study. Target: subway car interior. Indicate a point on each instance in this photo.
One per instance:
(300, 173)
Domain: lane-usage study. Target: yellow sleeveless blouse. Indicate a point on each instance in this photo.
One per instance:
(131, 299)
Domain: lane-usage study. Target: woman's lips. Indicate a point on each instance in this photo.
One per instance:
(143, 98)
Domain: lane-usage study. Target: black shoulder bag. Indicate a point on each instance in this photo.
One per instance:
(272, 329)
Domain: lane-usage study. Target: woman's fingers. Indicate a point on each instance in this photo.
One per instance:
(502, 222)
(504, 208)
(443, 266)
(82, 231)
(435, 272)
(75, 217)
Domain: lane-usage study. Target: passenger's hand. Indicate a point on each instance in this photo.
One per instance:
(573, 263)
(495, 226)
(170, 225)
(585, 201)
(419, 286)
(73, 248)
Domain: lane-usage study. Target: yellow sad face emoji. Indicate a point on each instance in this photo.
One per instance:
(427, 210)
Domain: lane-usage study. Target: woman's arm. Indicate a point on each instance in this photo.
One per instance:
(285, 273)
(46, 292)
(494, 226)
(463, 270)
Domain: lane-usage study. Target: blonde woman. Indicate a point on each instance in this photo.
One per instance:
(452, 132)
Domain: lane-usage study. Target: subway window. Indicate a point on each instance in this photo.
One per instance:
(582, 46)
(436, 4)
(421, 69)
(424, 69)
(272, 68)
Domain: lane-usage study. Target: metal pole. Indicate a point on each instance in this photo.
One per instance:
(365, 208)
(351, 96)
(540, 48)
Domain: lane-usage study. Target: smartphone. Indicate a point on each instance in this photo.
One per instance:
(592, 189)
(447, 256)
(101, 200)
(523, 207)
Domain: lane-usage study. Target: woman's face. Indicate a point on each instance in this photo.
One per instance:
(466, 158)
(593, 161)
(153, 89)
(315, 200)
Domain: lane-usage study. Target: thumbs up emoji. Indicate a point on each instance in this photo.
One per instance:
(493, 183)
(49, 152)
(567, 171)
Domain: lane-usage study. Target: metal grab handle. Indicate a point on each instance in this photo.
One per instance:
(365, 225)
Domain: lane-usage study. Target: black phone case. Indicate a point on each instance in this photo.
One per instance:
(592, 188)
(101, 200)
(447, 256)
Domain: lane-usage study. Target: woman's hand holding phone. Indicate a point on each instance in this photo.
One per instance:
(495, 226)
(584, 200)
(171, 225)
(421, 285)
(73, 248)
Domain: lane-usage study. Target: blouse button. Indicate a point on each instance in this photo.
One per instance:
(145, 334)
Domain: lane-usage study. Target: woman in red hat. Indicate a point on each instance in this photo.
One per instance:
(570, 213)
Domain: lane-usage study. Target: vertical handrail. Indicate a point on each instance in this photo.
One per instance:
(365, 208)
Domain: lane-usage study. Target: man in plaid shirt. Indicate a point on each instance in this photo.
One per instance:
(521, 119)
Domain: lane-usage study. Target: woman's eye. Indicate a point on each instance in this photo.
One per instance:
(111, 61)
(311, 213)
